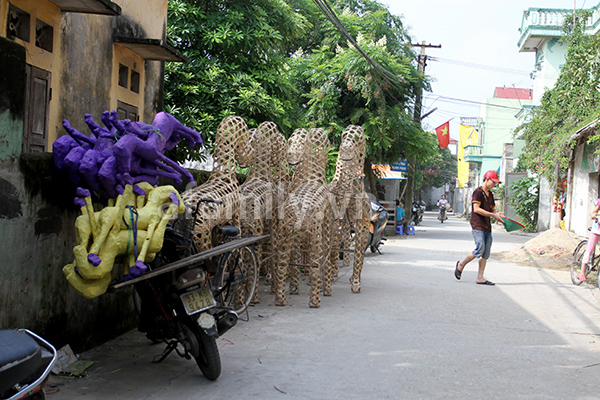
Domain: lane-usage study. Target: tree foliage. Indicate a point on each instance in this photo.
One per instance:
(573, 100)
(438, 169)
(340, 87)
(270, 60)
(525, 200)
(237, 61)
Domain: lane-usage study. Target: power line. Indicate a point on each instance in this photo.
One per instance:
(332, 17)
(452, 99)
(481, 66)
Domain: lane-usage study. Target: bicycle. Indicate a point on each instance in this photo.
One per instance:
(234, 278)
(592, 265)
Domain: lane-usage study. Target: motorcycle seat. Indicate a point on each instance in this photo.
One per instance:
(20, 357)
(229, 230)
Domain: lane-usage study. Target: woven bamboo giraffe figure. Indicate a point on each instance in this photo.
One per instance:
(259, 192)
(297, 150)
(231, 145)
(304, 219)
(280, 170)
(352, 202)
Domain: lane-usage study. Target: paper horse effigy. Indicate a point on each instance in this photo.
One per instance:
(122, 152)
(122, 161)
(133, 228)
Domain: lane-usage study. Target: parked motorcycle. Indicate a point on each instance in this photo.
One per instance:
(180, 307)
(417, 212)
(379, 217)
(25, 363)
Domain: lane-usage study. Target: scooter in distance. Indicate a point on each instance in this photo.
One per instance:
(25, 363)
(417, 212)
(379, 217)
(442, 216)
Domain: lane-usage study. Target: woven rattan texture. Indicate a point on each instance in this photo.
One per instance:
(231, 148)
(304, 219)
(260, 193)
(351, 211)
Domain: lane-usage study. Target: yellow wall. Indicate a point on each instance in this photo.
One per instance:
(151, 14)
(82, 46)
(134, 62)
(50, 14)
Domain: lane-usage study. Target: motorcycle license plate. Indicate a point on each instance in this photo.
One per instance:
(198, 300)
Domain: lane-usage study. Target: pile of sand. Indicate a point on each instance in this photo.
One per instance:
(552, 249)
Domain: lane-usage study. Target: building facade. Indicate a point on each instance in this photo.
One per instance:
(61, 59)
(560, 205)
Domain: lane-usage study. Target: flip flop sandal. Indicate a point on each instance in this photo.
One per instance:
(457, 272)
(489, 283)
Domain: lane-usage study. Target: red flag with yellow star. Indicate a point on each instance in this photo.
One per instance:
(443, 134)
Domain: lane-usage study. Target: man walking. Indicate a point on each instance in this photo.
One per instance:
(483, 207)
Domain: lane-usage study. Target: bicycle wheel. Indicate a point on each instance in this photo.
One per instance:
(576, 263)
(236, 279)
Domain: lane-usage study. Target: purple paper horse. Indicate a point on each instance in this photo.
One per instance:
(122, 152)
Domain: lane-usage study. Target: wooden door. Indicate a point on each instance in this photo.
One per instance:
(37, 107)
(127, 111)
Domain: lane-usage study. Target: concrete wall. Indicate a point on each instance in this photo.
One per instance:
(500, 123)
(37, 234)
(582, 196)
(392, 189)
(545, 206)
(37, 215)
(548, 61)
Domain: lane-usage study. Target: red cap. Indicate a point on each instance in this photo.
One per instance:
(491, 174)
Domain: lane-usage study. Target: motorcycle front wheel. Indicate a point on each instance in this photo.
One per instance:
(208, 358)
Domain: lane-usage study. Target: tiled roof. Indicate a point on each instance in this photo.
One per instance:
(513, 93)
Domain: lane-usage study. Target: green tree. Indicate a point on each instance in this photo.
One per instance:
(525, 200)
(238, 54)
(574, 99)
(341, 87)
(437, 170)
(286, 62)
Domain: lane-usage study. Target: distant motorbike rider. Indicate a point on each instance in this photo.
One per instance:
(443, 205)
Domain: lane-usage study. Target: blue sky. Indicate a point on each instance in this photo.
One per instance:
(471, 32)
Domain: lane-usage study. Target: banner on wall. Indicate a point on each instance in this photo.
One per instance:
(467, 136)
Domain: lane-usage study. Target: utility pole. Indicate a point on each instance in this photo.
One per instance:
(412, 164)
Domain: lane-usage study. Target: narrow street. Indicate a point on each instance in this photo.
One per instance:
(414, 332)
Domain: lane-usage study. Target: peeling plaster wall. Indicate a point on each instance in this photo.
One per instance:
(37, 234)
(12, 97)
(36, 213)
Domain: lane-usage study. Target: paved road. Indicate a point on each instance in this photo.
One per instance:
(413, 333)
